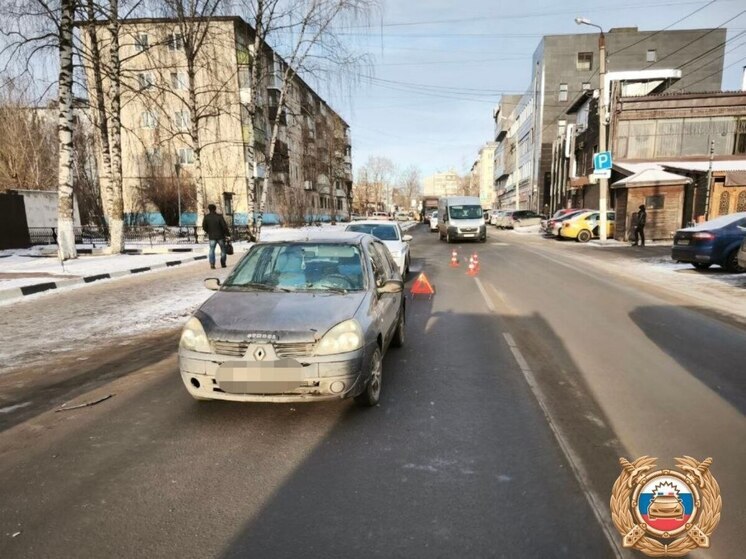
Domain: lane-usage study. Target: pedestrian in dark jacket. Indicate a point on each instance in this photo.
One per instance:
(642, 218)
(217, 231)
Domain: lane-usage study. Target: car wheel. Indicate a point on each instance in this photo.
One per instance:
(701, 265)
(406, 268)
(448, 237)
(584, 236)
(731, 263)
(483, 239)
(371, 394)
(398, 339)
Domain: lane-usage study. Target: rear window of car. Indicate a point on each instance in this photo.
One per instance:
(382, 232)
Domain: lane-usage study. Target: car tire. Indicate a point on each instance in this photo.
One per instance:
(398, 339)
(371, 394)
(584, 236)
(483, 239)
(448, 237)
(731, 263)
(701, 265)
(406, 268)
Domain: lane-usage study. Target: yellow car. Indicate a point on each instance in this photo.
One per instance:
(584, 227)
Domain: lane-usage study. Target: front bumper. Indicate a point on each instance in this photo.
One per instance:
(323, 378)
(478, 233)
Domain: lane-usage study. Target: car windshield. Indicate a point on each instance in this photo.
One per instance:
(299, 267)
(382, 232)
(465, 212)
(434, 214)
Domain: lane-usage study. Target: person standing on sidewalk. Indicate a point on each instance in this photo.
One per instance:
(642, 218)
(217, 231)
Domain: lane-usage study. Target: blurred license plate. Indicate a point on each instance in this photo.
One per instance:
(468, 234)
(682, 242)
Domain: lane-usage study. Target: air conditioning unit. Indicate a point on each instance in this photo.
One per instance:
(307, 185)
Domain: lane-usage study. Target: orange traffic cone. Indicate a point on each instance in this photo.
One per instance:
(472, 271)
(475, 259)
(454, 259)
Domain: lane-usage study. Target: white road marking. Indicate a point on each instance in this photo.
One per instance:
(597, 504)
(9, 409)
(487, 300)
(581, 475)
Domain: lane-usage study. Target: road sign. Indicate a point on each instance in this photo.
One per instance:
(603, 174)
(601, 161)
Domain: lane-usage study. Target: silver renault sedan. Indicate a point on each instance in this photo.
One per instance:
(297, 320)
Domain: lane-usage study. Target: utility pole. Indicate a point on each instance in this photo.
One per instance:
(709, 181)
(603, 184)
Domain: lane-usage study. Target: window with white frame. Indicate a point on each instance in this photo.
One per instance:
(584, 61)
(586, 86)
(562, 124)
(563, 92)
(142, 42)
(176, 42)
(145, 80)
(148, 119)
(185, 156)
(181, 120)
(651, 55)
(178, 80)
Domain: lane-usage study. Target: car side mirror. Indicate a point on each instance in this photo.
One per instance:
(212, 284)
(406, 238)
(391, 286)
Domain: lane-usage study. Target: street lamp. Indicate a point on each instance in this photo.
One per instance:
(603, 183)
(177, 167)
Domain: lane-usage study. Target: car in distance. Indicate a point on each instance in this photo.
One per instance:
(713, 242)
(494, 216)
(554, 224)
(297, 321)
(523, 218)
(584, 226)
(402, 216)
(433, 221)
(501, 221)
(392, 236)
(382, 216)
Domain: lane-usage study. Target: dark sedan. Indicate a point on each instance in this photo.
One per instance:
(712, 242)
(297, 321)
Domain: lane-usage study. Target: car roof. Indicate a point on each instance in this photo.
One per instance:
(337, 236)
(376, 222)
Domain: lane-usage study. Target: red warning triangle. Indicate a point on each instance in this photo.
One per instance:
(422, 286)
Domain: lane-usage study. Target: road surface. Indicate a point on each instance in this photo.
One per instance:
(498, 434)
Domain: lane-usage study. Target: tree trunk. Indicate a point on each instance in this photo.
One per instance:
(256, 66)
(101, 134)
(116, 205)
(199, 180)
(65, 206)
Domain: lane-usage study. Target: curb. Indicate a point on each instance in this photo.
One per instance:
(103, 251)
(19, 292)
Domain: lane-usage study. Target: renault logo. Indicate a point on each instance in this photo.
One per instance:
(259, 354)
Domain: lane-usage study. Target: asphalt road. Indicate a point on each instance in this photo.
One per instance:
(498, 434)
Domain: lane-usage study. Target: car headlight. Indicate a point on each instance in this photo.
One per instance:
(342, 338)
(193, 337)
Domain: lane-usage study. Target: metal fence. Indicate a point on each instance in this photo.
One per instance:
(140, 235)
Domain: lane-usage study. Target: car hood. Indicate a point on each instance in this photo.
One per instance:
(395, 246)
(292, 317)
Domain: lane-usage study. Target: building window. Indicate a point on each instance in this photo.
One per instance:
(145, 80)
(563, 92)
(739, 145)
(148, 119)
(654, 202)
(185, 156)
(176, 42)
(562, 124)
(651, 56)
(741, 202)
(724, 203)
(584, 61)
(178, 80)
(181, 120)
(141, 42)
(585, 86)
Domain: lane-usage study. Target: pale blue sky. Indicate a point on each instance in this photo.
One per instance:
(471, 50)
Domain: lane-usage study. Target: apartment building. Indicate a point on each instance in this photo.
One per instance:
(483, 175)
(441, 184)
(311, 170)
(564, 66)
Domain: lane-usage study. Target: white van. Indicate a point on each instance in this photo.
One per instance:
(461, 217)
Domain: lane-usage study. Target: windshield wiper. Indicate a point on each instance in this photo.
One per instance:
(260, 286)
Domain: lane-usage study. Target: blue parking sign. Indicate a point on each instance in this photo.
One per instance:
(602, 161)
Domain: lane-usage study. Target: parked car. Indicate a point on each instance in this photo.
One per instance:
(742, 255)
(402, 216)
(554, 224)
(494, 216)
(584, 226)
(501, 222)
(524, 218)
(713, 242)
(433, 221)
(297, 321)
(392, 236)
(545, 223)
(381, 216)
